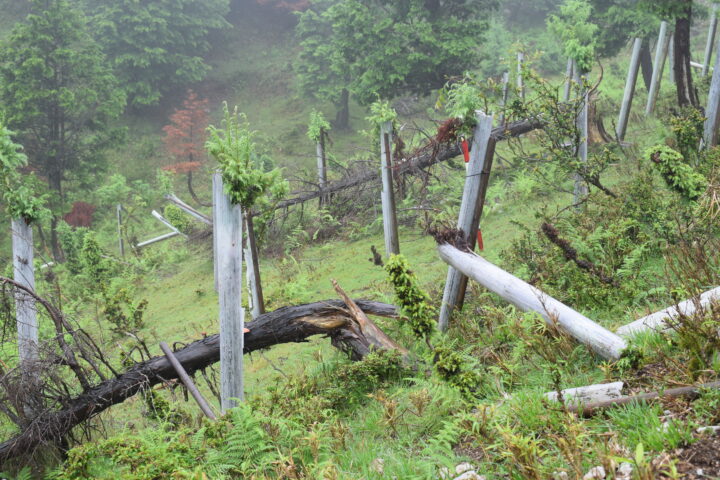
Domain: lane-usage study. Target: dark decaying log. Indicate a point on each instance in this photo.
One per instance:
(285, 325)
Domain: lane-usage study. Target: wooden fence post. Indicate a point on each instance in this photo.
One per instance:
(121, 243)
(580, 190)
(712, 112)
(658, 66)
(228, 230)
(215, 179)
(476, 182)
(25, 312)
(712, 30)
(569, 70)
(390, 227)
(520, 82)
(253, 269)
(630, 83)
(322, 165)
(504, 99)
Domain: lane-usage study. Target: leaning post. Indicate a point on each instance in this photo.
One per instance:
(228, 231)
(658, 66)
(390, 227)
(25, 311)
(712, 30)
(629, 90)
(476, 182)
(253, 269)
(215, 178)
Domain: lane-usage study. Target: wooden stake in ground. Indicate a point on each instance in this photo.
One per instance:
(528, 298)
(228, 232)
(671, 58)
(569, 70)
(24, 274)
(630, 83)
(658, 67)
(520, 82)
(504, 99)
(712, 112)
(187, 381)
(712, 30)
(215, 179)
(581, 190)
(253, 269)
(121, 244)
(476, 182)
(390, 227)
(322, 165)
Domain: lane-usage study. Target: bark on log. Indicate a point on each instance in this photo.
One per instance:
(528, 298)
(285, 325)
(591, 393)
(427, 157)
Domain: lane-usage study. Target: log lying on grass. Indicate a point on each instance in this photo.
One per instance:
(528, 298)
(286, 325)
(657, 320)
(592, 393)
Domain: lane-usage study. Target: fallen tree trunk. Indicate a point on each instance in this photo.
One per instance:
(285, 325)
(658, 320)
(591, 393)
(528, 298)
(440, 152)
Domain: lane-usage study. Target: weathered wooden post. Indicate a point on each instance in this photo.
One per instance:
(658, 66)
(476, 182)
(713, 108)
(253, 269)
(228, 230)
(322, 165)
(214, 222)
(568, 79)
(712, 30)
(580, 190)
(121, 244)
(629, 90)
(25, 312)
(390, 227)
(504, 99)
(520, 81)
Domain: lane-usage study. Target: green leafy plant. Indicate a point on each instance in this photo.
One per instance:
(578, 35)
(17, 195)
(178, 218)
(244, 173)
(414, 302)
(679, 176)
(318, 126)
